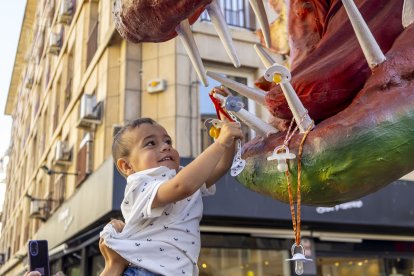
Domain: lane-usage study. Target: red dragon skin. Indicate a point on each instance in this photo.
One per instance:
(154, 20)
(369, 143)
(364, 118)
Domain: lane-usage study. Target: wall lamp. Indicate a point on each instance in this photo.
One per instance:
(32, 198)
(49, 171)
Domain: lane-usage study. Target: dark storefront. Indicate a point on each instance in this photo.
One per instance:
(247, 234)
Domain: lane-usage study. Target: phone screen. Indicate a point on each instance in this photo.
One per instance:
(39, 256)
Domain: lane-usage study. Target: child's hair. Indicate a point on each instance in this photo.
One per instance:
(120, 146)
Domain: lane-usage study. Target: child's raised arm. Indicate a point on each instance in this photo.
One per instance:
(209, 166)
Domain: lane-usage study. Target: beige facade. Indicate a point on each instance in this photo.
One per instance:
(64, 54)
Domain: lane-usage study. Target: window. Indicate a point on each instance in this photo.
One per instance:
(207, 109)
(237, 13)
(92, 44)
(69, 79)
(350, 266)
(242, 255)
(238, 262)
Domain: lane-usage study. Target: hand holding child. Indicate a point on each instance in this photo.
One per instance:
(114, 263)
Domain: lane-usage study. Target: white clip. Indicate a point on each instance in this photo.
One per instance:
(238, 162)
(281, 153)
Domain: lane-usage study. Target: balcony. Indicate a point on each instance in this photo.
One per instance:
(237, 13)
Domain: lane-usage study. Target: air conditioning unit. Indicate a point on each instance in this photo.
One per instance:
(65, 11)
(63, 154)
(55, 43)
(37, 210)
(89, 112)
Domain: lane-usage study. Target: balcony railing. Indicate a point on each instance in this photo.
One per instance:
(237, 13)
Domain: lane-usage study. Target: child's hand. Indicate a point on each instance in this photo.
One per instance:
(230, 131)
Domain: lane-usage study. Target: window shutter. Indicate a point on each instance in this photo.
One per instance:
(82, 164)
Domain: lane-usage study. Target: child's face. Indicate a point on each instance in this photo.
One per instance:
(151, 148)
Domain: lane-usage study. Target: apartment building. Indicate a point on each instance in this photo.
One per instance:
(75, 80)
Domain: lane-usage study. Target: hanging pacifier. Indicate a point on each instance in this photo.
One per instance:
(281, 154)
(233, 103)
(277, 73)
(298, 256)
(215, 126)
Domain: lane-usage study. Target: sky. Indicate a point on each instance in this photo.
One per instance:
(11, 15)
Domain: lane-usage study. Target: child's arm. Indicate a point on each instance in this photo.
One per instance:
(225, 162)
(223, 165)
(195, 174)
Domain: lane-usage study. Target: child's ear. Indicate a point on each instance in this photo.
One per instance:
(124, 166)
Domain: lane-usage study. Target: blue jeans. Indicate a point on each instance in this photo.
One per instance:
(138, 271)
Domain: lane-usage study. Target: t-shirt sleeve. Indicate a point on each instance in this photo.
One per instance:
(208, 191)
(138, 200)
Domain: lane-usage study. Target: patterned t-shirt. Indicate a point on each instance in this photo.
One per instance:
(163, 240)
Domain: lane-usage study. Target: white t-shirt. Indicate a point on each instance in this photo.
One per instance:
(163, 240)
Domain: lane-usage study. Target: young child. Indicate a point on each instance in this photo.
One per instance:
(162, 207)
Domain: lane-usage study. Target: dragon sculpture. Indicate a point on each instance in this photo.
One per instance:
(351, 85)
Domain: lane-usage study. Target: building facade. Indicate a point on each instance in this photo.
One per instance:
(75, 80)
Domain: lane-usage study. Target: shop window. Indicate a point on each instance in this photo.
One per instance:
(336, 266)
(240, 255)
(240, 262)
(72, 264)
(237, 13)
(399, 266)
(97, 264)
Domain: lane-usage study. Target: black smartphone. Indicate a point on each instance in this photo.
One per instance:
(39, 256)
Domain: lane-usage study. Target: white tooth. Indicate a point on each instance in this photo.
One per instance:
(408, 13)
(298, 110)
(369, 45)
(296, 106)
(266, 59)
(251, 93)
(251, 120)
(255, 123)
(184, 33)
(223, 31)
(259, 10)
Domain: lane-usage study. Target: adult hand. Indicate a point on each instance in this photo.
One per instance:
(117, 224)
(33, 273)
(114, 263)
